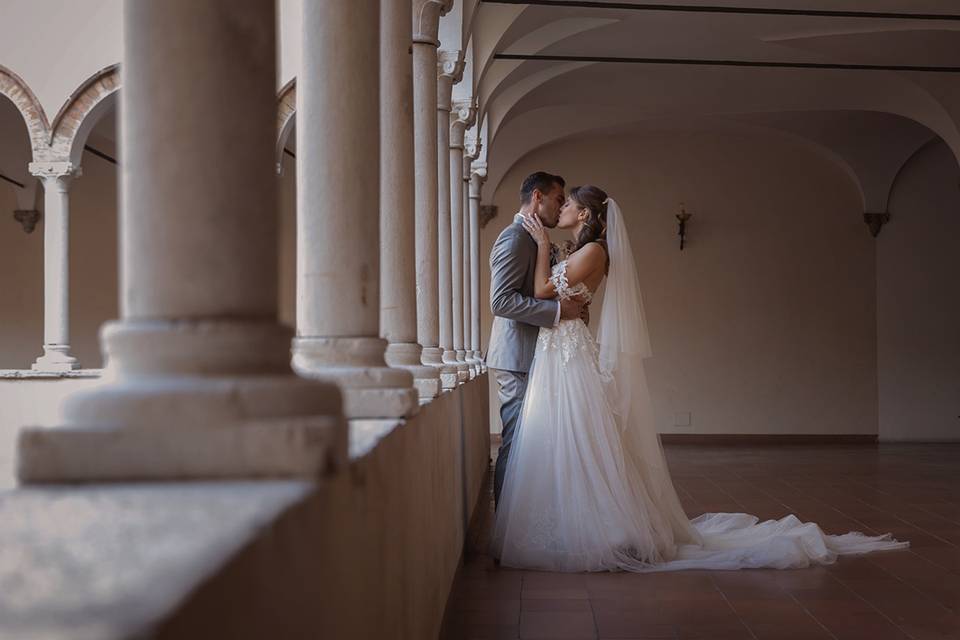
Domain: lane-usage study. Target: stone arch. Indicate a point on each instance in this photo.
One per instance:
(892, 95)
(547, 127)
(906, 161)
(17, 91)
(927, 99)
(79, 114)
(286, 117)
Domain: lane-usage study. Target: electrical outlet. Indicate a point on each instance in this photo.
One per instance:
(682, 419)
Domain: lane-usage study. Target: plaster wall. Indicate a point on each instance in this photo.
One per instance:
(918, 301)
(766, 322)
(55, 46)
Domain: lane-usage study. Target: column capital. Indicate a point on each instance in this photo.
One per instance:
(62, 172)
(472, 145)
(426, 20)
(450, 64)
(478, 175)
(462, 117)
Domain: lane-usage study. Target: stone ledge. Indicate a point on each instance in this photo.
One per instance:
(80, 561)
(367, 553)
(30, 374)
(366, 434)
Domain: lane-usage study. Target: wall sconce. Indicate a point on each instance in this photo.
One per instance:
(487, 213)
(28, 218)
(682, 217)
(875, 222)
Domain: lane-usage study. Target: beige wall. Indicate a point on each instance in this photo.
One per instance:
(918, 298)
(766, 322)
(21, 286)
(287, 212)
(55, 46)
(94, 279)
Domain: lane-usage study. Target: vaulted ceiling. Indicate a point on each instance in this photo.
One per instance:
(868, 120)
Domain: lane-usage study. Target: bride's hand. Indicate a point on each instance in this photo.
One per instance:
(536, 229)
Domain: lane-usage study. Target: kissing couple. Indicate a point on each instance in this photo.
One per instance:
(581, 481)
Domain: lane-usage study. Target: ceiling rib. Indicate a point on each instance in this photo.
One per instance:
(756, 11)
(727, 63)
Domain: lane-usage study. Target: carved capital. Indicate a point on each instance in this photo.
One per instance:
(56, 174)
(450, 66)
(426, 20)
(28, 218)
(478, 175)
(472, 145)
(462, 117)
(450, 62)
(466, 111)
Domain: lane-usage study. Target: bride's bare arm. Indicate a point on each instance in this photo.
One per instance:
(542, 287)
(583, 263)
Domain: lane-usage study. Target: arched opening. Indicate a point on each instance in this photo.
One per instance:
(287, 213)
(918, 308)
(94, 257)
(21, 245)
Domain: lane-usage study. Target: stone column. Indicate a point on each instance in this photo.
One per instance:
(398, 294)
(477, 178)
(56, 178)
(198, 381)
(471, 152)
(426, 19)
(467, 302)
(450, 71)
(461, 118)
(338, 211)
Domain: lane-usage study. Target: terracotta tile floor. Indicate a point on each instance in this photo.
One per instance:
(911, 490)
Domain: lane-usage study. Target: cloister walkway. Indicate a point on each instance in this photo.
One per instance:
(911, 490)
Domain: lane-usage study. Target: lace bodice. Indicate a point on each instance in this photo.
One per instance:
(570, 337)
(558, 276)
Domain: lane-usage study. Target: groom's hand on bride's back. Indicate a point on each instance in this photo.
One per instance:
(571, 308)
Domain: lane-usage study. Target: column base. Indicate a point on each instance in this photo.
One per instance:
(56, 357)
(433, 357)
(370, 388)
(463, 360)
(473, 362)
(189, 427)
(450, 358)
(406, 355)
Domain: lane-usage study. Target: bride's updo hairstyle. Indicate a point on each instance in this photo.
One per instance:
(595, 226)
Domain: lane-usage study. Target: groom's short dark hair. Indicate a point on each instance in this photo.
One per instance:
(540, 180)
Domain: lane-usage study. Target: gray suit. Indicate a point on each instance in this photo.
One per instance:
(513, 338)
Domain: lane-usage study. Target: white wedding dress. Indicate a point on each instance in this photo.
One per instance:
(587, 486)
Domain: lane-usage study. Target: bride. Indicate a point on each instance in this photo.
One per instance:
(587, 486)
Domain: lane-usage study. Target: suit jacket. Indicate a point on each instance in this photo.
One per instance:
(517, 314)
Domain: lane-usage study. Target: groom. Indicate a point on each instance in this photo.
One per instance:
(517, 314)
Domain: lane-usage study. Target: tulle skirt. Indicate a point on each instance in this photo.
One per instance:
(587, 486)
